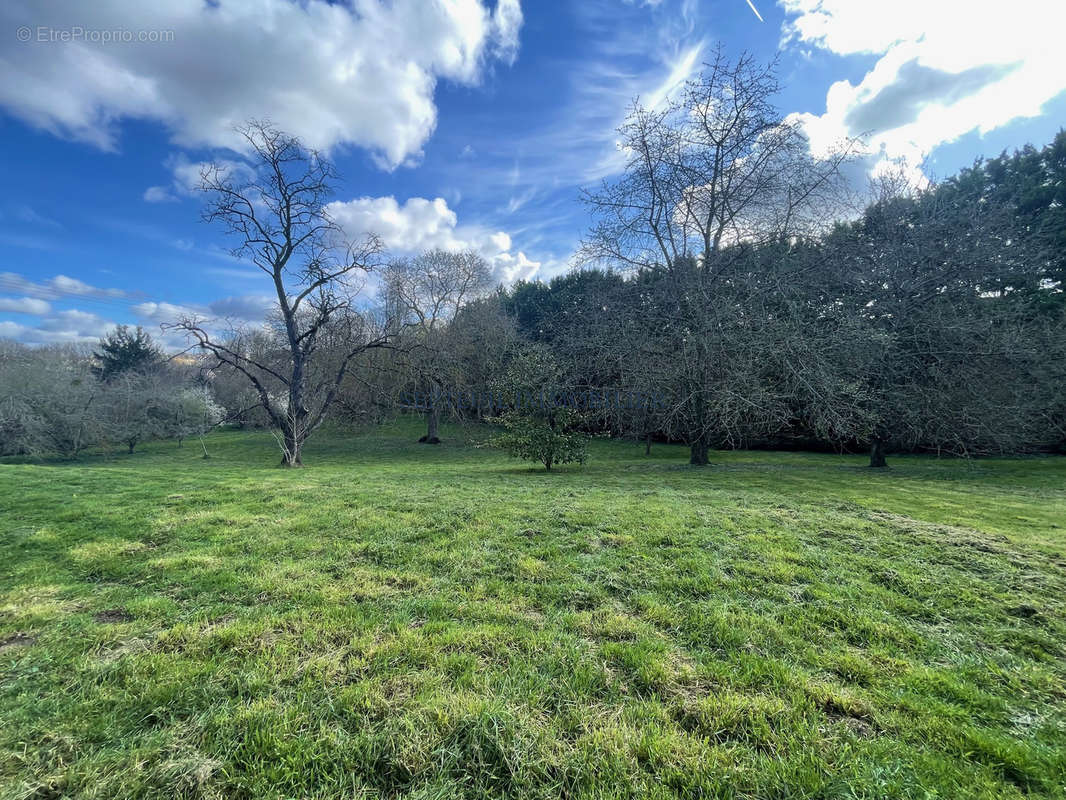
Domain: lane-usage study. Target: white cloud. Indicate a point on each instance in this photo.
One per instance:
(514, 267)
(416, 225)
(515, 202)
(587, 140)
(250, 307)
(644, 51)
(681, 68)
(55, 325)
(63, 283)
(76, 319)
(162, 313)
(158, 194)
(60, 285)
(30, 216)
(24, 305)
(70, 325)
(186, 177)
(12, 330)
(73, 324)
(506, 24)
(330, 73)
(421, 224)
(945, 68)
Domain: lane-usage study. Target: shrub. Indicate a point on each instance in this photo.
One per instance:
(547, 441)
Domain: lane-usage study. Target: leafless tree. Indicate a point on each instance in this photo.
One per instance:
(710, 176)
(49, 401)
(717, 166)
(426, 293)
(276, 208)
(482, 339)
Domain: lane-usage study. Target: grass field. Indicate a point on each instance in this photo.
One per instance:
(397, 620)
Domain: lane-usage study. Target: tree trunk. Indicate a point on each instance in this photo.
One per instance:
(877, 453)
(432, 421)
(294, 424)
(698, 451)
(647, 445)
(698, 446)
(132, 443)
(290, 456)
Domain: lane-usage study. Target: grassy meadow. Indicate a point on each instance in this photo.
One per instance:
(403, 621)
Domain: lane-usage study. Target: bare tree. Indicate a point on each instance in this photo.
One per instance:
(427, 292)
(277, 210)
(708, 177)
(718, 166)
(49, 401)
(482, 338)
(139, 406)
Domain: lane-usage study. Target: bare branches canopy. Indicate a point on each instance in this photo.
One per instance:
(275, 209)
(717, 166)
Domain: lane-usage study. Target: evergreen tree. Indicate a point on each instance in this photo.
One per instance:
(124, 351)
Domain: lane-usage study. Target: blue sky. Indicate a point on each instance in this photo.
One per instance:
(455, 124)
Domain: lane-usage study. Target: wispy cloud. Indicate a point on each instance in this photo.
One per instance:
(69, 310)
(530, 181)
(56, 287)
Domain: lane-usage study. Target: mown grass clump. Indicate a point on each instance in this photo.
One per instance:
(397, 622)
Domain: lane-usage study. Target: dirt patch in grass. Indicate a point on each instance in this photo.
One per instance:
(120, 650)
(862, 728)
(113, 615)
(1027, 612)
(846, 710)
(15, 641)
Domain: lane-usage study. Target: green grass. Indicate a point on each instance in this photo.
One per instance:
(397, 620)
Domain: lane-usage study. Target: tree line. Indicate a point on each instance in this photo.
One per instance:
(63, 400)
(729, 272)
(720, 280)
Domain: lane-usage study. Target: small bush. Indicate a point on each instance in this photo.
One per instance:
(548, 442)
